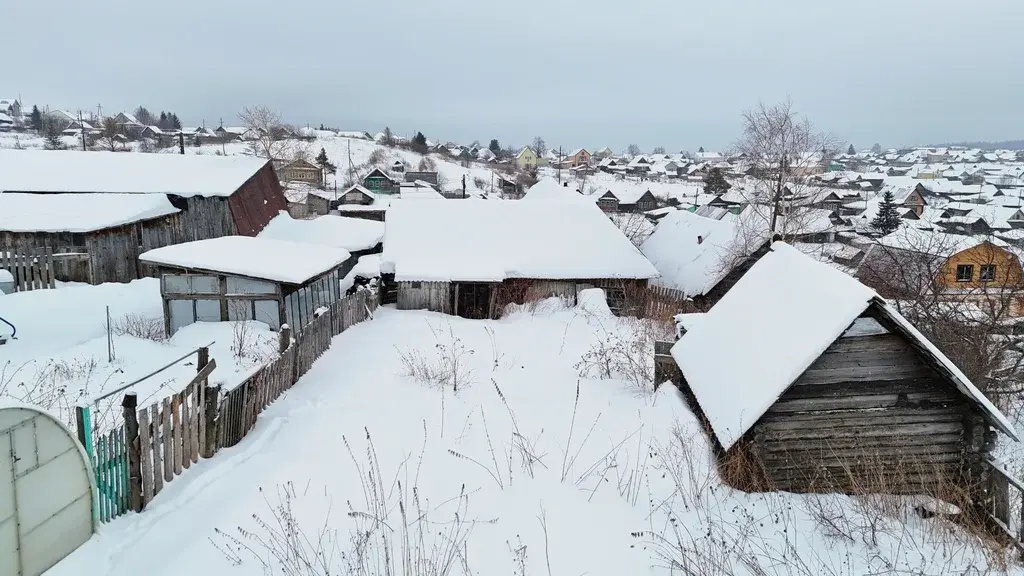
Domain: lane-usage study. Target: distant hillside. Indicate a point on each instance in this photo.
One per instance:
(1006, 145)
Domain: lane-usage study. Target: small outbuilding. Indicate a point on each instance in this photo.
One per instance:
(471, 258)
(244, 278)
(702, 257)
(46, 491)
(821, 385)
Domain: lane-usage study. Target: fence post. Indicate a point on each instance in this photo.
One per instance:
(83, 421)
(210, 417)
(284, 339)
(133, 447)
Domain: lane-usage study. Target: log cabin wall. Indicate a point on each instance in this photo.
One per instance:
(433, 296)
(869, 414)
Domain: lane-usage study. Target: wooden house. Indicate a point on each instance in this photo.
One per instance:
(820, 385)
(301, 171)
(244, 278)
(508, 186)
(627, 201)
(360, 202)
(526, 159)
(115, 206)
(378, 182)
(428, 177)
(519, 251)
(398, 167)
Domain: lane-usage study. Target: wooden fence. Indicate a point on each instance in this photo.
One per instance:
(156, 443)
(32, 270)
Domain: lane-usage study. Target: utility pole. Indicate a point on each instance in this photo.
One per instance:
(81, 127)
(559, 164)
(181, 141)
(99, 111)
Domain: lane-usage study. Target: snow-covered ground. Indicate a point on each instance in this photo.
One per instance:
(61, 359)
(480, 443)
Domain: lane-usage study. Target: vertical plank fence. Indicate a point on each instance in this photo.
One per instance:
(134, 462)
(32, 269)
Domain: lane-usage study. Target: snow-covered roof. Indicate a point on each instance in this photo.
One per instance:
(774, 323)
(5, 119)
(254, 257)
(352, 234)
(693, 253)
(490, 240)
(78, 212)
(549, 189)
(109, 172)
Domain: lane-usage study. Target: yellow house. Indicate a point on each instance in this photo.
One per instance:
(579, 158)
(527, 159)
(987, 274)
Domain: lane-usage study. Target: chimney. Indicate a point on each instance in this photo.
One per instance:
(700, 239)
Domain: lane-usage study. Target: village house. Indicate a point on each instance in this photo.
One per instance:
(603, 154)
(11, 107)
(361, 202)
(627, 201)
(433, 266)
(526, 159)
(980, 270)
(579, 157)
(301, 171)
(378, 182)
(235, 278)
(6, 122)
(114, 206)
(428, 177)
(833, 390)
(509, 186)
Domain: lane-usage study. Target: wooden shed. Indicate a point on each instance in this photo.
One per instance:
(243, 278)
(473, 258)
(177, 198)
(823, 386)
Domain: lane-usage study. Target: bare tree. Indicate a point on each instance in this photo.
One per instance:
(110, 135)
(965, 305)
(783, 150)
(633, 150)
(540, 147)
(265, 126)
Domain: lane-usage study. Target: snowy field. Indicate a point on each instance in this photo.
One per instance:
(61, 359)
(478, 447)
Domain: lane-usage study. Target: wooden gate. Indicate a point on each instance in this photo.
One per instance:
(32, 270)
(110, 465)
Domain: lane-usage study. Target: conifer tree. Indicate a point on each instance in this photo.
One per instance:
(888, 218)
(322, 161)
(715, 183)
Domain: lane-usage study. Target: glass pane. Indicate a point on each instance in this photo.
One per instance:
(205, 284)
(239, 310)
(181, 312)
(208, 311)
(176, 284)
(238, 285)
(289, 313)
(268, 313)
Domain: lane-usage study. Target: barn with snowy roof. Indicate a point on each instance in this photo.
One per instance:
(822, 384)
(103, 209)
(472, 257)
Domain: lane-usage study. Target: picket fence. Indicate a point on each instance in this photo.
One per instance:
(31, 269)
(134, 462)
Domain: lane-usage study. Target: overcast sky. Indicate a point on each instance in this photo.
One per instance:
(673, 73)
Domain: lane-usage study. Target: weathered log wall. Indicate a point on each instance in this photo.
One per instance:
(868, 414)
(433, 296)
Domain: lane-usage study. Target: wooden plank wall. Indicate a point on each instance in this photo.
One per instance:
(32, 268)
(433, 296)
(868, 413)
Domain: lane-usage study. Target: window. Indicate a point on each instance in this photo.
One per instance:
(987, 273)
(964, 273)
(415, 285)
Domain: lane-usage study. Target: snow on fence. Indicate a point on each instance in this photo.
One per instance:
(32, 269)
(133, 462)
